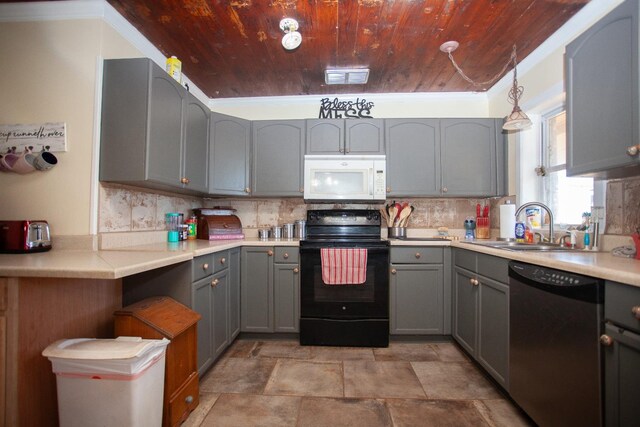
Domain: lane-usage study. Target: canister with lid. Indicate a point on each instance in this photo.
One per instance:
(287, 231)
(300, 230)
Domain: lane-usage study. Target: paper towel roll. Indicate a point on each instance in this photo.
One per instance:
(507, 221)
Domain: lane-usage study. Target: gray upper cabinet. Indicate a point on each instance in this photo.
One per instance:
(469, 157)
(603, 122)
(144, 135)
(344, 136)
(196, 145)
(229, 151)
(413, 157)
(277, 156)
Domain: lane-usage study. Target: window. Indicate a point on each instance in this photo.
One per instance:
(567, 197)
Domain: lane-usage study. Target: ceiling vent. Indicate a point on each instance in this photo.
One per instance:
(346, 76)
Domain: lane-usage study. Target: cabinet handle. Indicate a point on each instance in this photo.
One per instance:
(474, 282)
(301, 189)
(184, 180)
(285, 256)
(223, 260)
(347, 150)
(188, 399)
(606, 340)
(388, 189)
(247, 190)
(445, 189)
(270, 253)
(205, 266)
(296, 270)
(341, 150)
(418, 255)
(214, 283)
(633, 150)
(636, 311)
(394, 271)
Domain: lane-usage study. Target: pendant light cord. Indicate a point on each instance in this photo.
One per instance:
(512, 59)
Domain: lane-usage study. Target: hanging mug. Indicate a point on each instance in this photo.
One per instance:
(8, 160)
(45, 160)
(24, 162)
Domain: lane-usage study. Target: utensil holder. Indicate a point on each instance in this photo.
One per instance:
(397, 232)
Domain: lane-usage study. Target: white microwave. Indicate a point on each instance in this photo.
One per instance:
(344, 177)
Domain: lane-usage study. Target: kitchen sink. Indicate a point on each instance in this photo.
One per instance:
(518, 246)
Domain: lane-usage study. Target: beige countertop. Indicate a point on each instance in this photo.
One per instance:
(122, 262)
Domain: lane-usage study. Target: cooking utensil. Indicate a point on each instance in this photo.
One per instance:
(478, 209)
(485, 211)
(403, 216)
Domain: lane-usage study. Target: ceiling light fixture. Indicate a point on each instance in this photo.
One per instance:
(292, 38)
(517, 120)
(346, 76)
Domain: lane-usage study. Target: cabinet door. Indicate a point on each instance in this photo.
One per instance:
(277, 153)
(602, 94)
(364, 136)
(196, 146)
(325, 136)
(493, 329)
(468, 157)
(202, 304)
(229, 152)
(621, 377)
(465, 309)
(413, 157)
(164, 151)
(286, 284)
(234, 293)
(220, 312)
(416, 300)
(256, 289)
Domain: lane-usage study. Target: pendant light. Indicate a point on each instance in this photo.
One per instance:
(517, 120)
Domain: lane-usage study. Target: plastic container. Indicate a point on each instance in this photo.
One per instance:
(173, 226)
(174, 68)
(109, 382)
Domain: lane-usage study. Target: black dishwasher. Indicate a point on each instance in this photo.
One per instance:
(555, 321)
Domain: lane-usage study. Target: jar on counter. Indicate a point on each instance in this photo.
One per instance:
(193, 227)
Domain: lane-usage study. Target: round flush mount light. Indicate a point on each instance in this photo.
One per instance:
(450, 46)
(292, 37)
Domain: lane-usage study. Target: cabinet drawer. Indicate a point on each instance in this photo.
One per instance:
(184, 401)
(417, 255)
(619, 301)
(202, 267)
(494, 267)
(220, 261)
(465, 259)
(286, 254)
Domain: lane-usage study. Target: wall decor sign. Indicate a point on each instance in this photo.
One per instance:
(38, 136)
(337, 109)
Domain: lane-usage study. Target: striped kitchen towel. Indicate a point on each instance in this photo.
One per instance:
(344, 266)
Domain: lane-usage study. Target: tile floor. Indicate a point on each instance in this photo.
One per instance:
(280, 383)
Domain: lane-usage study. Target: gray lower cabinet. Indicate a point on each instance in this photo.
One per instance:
(277, 158)
(417, 292)
(413, 157)
(345, 136)
(229, 155)
(154, 134)
(621, 350)
(445, 157)
(602, 96)
(270, 289)
(201, 296)
(481, 310)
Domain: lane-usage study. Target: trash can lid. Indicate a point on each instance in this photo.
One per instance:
(101, 349)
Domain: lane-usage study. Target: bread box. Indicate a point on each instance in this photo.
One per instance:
(219, 227)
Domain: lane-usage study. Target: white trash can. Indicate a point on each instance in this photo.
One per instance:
(109, 382)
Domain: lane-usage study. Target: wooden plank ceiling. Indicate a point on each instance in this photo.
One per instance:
(233, 48)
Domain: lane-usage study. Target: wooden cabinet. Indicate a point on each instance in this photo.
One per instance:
(603, 93)
(621, 350)
(277, 157)
(417, 292)
(445, 157)
(481, 310)
(154, 133)
(413, 157)
(229, 151)
(163, 317)
(270, 289)
(343, 136)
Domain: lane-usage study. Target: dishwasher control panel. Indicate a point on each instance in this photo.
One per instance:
(551, 276)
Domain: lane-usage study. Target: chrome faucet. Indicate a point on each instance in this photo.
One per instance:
(543, 206)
